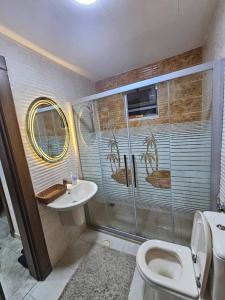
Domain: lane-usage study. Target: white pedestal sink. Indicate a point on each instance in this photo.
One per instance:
(76, 195)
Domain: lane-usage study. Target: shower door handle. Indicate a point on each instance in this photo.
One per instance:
(125, 164)
(134, 169)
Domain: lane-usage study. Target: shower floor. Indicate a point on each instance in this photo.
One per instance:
(152, 224)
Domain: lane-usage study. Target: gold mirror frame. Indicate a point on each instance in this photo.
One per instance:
(30, 129)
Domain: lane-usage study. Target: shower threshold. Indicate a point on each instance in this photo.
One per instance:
(118, 233)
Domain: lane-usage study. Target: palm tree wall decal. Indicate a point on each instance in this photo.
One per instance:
(158, 178)
(114, 155)
(118, 173)
(148, 156)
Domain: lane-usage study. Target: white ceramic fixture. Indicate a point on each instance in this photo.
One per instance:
(75, 196)
(182, 271)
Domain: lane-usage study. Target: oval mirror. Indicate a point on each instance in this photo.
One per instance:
(47, 129)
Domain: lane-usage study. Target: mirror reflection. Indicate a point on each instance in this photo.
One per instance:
(86, 124)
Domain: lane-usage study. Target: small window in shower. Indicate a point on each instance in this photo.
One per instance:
(142, 103)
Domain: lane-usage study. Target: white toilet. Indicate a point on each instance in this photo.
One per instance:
(185, 272)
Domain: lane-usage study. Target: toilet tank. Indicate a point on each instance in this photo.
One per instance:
(217, 272)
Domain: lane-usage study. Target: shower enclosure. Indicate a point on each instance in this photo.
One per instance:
(153, 149)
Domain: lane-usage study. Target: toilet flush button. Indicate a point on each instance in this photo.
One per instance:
(221, 227)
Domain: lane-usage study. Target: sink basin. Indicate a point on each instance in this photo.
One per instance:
(75, 196)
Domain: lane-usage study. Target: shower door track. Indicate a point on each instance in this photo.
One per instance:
(155, 80)
(217, 121)
(117, 232)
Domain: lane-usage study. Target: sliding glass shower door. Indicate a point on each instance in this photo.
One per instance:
(149, 131)
(87, 130)
(108, 156)
(115, 163)
(149, 151)
(170, 136)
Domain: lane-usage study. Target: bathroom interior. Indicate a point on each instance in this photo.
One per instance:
(112, 152)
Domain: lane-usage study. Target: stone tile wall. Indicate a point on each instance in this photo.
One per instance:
(179, 101)
(168, 65)
(183, 94)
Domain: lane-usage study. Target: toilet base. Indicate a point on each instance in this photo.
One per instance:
(151, 293)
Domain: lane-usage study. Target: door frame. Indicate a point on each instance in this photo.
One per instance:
(19, 182)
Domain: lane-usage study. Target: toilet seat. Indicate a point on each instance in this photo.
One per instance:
(168, 266)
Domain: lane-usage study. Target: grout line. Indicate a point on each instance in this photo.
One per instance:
(28, 293)
(8, 248)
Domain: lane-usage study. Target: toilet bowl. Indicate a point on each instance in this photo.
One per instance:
(175, 269)
(168, 266)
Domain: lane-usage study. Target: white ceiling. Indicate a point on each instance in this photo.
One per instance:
(110, 36)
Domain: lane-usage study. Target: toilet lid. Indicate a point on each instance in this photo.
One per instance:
(201, 247)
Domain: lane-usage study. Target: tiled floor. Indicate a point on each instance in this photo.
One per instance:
(18, 284)
(51, 288)
(16, 280)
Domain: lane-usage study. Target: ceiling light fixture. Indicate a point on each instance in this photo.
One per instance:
(86, 2)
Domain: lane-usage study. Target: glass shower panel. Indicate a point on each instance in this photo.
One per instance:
(88, 142)
(149, 131)
(190, 101)
(115, 163)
